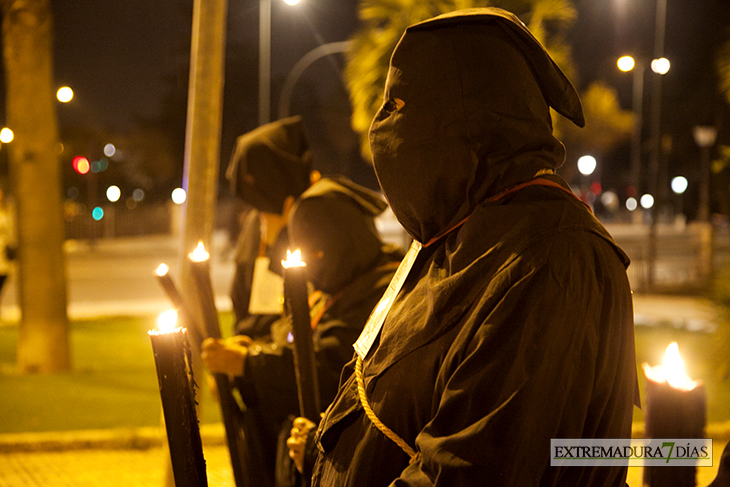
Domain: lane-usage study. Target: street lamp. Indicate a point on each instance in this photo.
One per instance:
(586, 165)
(626, 64)
(64, 94)
(265, 59)
(705, 137)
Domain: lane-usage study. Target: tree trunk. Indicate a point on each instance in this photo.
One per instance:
(43, 342)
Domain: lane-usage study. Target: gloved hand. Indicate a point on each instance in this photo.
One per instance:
(225, 356)
(298, 440)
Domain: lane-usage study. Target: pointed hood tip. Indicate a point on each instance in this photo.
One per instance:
(557, 89)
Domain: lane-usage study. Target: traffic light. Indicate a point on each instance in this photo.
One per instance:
(81, 164)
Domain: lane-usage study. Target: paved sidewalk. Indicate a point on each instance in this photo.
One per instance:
(110, 458)
(138, 458)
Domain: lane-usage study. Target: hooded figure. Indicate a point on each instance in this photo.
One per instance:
(332, 223)
(513, 324)
(270, 166)
(271, 163)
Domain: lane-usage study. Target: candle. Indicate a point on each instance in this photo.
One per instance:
(675, 408)
(230, 411)
(297, 306)
(175, 377)
(200, 266)
(168, 285)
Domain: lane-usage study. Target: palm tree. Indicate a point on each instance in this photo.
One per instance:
(385, 20)
(43, 344)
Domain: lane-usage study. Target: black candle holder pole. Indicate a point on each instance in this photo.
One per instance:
(230, 410)
(297, 306)
(171, 290)
(673, 412)
(177, 390)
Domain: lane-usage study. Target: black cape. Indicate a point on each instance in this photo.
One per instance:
(515, 324)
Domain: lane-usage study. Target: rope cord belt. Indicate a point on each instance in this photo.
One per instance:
(415, 456)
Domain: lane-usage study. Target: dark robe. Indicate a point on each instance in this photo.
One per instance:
(515, 324)
(513, 330)
(332, 224)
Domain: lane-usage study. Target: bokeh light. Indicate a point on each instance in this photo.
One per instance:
(6, 135)
(647, 201)
(138, 195)
(113, 193)
(109, 150)
(631, 204)
(609, 199)
(65, 94)
(679, 184)
(660, 66)
(626, 63)
(81, 164)
(97, 213)
(179, 196)
(586, 165)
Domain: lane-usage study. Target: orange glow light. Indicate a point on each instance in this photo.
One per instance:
(671, 371)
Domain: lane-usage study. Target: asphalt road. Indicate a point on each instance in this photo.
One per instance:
(116, 276)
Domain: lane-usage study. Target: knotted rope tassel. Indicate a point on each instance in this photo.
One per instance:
(415, 456)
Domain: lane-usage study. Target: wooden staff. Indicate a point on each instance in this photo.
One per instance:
(297, 306)
(175, 377)
(230, 410)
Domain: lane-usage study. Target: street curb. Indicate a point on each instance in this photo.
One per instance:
(154, 437)
(112, 439)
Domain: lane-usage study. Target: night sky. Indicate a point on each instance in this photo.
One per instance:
(127, 61)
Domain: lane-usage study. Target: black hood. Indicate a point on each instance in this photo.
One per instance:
(333, 225)
(271, 163)
(476, 88)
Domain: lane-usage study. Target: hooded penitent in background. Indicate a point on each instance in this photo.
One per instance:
(270, 166)
(332, 223)
(514, 324)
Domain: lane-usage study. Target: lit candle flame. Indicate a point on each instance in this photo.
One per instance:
(293, 259)
(671, 371)
(199, 254)
(162, 270)
(166, 323)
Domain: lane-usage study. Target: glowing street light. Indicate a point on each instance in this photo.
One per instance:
(586, 165)
(6, 135)
(113, 193)
(64, 94)
(660, 65)
(179, 196)
(647, 201)
(626, 63)
(679, 184)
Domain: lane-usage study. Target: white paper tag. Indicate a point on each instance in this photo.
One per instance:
(267, 290)
(377, 317)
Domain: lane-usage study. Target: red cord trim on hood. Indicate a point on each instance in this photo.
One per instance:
(507, 192)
